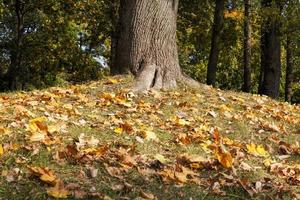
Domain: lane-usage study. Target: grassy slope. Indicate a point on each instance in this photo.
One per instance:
(180, 163)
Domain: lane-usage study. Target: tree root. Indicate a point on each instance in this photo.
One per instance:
(151, 77)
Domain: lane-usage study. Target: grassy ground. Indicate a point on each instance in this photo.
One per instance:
(99, 140)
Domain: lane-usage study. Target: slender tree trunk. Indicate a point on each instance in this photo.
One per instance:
(114, 16)
(247, 47)
(14, 79)
(289, 70)
(147, 43)
(215, 42)
(270, 53)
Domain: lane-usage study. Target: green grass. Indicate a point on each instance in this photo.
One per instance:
(130, 181)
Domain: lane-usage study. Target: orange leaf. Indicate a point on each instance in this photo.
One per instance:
(224, 158)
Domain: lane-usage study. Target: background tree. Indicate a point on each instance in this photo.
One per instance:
(247, 47)
(270, 50)
(215, 42)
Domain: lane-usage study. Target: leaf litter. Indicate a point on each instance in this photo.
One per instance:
(99, 136)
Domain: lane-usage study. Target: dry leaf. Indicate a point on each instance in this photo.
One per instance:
(59, 193)
(1, 150)
(45, 175)
(224, 157)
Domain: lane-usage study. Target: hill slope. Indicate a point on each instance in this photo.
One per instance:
(101, 140)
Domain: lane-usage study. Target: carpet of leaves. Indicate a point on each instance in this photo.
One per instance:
(100, 140)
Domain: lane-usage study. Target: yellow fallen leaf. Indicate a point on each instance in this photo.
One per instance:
(111, 81)
(261, 151)
(267, 162)
(68, 106)
(38, 124)
(59, 193)
(251, 148)
(118, 130)
(1, 150)
(182, 122)
(4, 131)
(49, 178)
(257, 150)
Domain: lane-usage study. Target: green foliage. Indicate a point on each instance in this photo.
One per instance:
(58, 37)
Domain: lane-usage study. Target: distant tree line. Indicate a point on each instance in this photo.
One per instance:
(247, 45)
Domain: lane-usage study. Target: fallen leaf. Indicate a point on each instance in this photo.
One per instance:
(224, 157)
(59, 193)
(1, 150)
(149, 135)
(45, 175)
(37, 137)
(161, 158)
(257, 150)
(118, 130)
(147, 195)
(38, 124)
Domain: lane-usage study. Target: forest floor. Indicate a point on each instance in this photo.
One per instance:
(101, 141)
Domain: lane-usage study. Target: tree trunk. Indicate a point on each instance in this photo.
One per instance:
(14, 71)
(215, 42)
(289, 70)
(146, 43)
(247, 47)
(114, 16)
(270, 53)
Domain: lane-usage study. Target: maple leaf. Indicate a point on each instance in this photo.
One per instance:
(224, 157)
(45, 175)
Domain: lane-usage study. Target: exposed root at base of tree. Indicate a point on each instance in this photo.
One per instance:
(152, 77)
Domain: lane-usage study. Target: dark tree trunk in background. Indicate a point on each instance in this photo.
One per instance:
(114, 16)
(270, 53)
(15, 68)
(146, 44)
(247, 47)
(289, 70)
(215, 42)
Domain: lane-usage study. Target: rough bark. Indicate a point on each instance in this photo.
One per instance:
(215, 42)
(247, 47)
(270, 53)
(146, 44)
(289, 70)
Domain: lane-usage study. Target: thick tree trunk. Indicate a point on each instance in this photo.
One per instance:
(146, 44)
(289, 70)
(270, 54)
(215, 42)
(247, 47)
